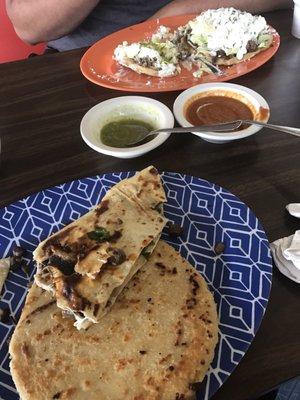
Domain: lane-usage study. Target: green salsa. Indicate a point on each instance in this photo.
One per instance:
(122, 132)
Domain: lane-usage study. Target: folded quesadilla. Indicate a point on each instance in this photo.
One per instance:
(155, 344)
(86, 264)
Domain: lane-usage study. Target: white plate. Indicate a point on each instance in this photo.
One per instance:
(219, 137)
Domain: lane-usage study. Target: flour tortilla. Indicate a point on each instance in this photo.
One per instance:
(158, 339)
(4, 270)
(91, 287)
(146, 189)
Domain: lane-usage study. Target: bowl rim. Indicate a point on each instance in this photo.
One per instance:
(181, 99)
(114, 102)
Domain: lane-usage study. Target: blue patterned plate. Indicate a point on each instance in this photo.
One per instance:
(240, 277)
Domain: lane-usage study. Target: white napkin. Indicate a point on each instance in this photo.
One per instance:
(286, 251)
(294, 209)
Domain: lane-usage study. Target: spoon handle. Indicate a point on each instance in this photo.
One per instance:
(227, 126)
(286, 129)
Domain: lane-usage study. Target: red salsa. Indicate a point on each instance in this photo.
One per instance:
(213, 109)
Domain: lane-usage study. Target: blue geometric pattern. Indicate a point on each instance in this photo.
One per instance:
(240, 277)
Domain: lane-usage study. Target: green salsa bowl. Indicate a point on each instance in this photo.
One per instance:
(109, 125)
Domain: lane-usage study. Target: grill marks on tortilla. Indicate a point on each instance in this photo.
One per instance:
(66, 263)
(96, 309)
(55, 241)
(150, 184)
(179, 332)
(79, 250)
(115, 236)
(77, 302)
(65, 394)
(41, 309)
(164, 269)
(155, 184)
(147, 190)
(84, 250)
(189, 306)
(102, 208)
(191, 303)
(153, 171)
(195, 284)
(64, 254)
(25, 350)
(65, 266)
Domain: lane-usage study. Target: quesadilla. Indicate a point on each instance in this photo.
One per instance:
(155, 344)
(86, 264)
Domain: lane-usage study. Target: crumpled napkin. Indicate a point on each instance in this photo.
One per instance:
(294, 209)
(286, 251)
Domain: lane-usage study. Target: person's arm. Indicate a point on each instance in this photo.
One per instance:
(178, 7)
(43, 20)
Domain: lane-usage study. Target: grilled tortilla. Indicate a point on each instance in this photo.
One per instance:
(87, 263)
(157, 341)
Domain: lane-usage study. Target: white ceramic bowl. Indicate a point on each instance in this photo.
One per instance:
(251, 96)
(137, 107)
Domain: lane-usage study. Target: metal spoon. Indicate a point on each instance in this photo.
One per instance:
(280, 128)
(224, 127)
(142, 133)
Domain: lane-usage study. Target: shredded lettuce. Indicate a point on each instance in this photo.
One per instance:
(167, 50)
(201, 70)
(264, 39)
